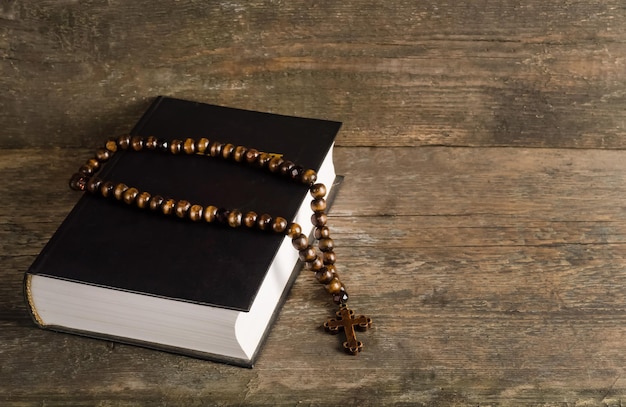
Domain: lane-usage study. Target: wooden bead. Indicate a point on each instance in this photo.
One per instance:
(210, 213)
(181, 208)
(318, 205)
(264, 222)
(123, 142)
(234, 218)
(250, 218)
(202, 145)
(216, 149)
(195, 212)
(341, 297)
(221, 215)
(130, 195)
(296, 173)
(119, 190)
(319, 219)
(318, 191)
(239, 154)
(78, 182)
(286, 167)
(143, 200)
(106, 189)
(156, 202)
(136, 143)
(168, 205)
(189, 146)
(279, 225)
(300, 242)
(102, 154)
(307, 254)
(309, 177)
(294, 230)
(334, 286)
(93, 185)
(176, 146)
(227, 151)
(326, 244)
(111, 145)
(263, 159)
(151, 143)
(321, 232)
(315, 264)
(324, 275)
(329, 257)
(274, 164)
(251, 155)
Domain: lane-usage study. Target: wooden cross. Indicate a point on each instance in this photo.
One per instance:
(345, 320)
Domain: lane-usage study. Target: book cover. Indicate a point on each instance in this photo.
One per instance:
(110, 245)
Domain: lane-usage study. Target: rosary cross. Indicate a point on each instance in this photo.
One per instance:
(345, 320)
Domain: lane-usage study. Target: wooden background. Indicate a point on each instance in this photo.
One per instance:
(481, 223)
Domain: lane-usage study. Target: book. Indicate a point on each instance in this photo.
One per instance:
(116, 272)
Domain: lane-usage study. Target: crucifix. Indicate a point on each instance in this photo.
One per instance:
(345, 320)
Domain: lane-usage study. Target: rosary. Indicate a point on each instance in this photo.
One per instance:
(322, 263)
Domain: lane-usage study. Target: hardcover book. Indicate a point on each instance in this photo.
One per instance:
(116, 272)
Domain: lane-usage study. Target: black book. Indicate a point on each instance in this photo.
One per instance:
(117, 272)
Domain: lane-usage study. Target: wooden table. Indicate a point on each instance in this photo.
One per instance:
(481, 223)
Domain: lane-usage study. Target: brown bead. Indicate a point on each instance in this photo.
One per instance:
(181, 208)
(296, 172)
(102, 154)
(263, 159)
(86, 170)
(202, 145)
(279, 225)
(106, 189)
(250, 219)
(300, 242)
(321, 232)
(294, 230)
(274, 164)
(156, 202)
(239, 154)
(151, 143)
(78, 182)
(307, 254)
(251, 155)
(93, 185)
(341, 297)
(285, 167)
(189, 146)
(176, 146)
(119, 190)
(168, 205)
(136, 143)
(227, 151)
(93, 163)
(216, 149)
(324, 275)
(111, 145)
(264, 222)
(130, 195)
(195, 212)
(309, 177)
(329, 257)
(209, 213)
(334, 286)
(222, 215)
(123, 142)
(326, 244)
(315, 264)
(318, 191)
(143, 200)
(234, 218)
(318, 205)
(319, 219)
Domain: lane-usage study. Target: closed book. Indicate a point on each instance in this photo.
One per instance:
(117, 272)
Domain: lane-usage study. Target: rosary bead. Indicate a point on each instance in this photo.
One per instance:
(341, 297)
(111, 145)
(93, 185)
(136, 143)
(307, 254)
(143, 199)
(315, 264)
(263, 159)
(130, 195)
(234, 218)
(279, 225)
(318, 205)
(216, 149)
(319, 219)
(195, 212)
(78, 182)
(300, 242)
(202, 145)
(176, 146)
(123, 142)
(296, 172)
(151, 143)
(309, 177)
(318, 191)
(334, 286)
(322, 232)
(227, 151)
(119, 190)
(251, 155)
(221, 215)
(106, 189)
(294, 230)
(264, 222)
(329, 257)
(102, 154)
(324, 275)
(239, 154)
(156, 202)
(275, 162)
(86, 170)
(181, 208)
(209, 213)
(286, 167)
(168, 205)
(250, 218)
(326, 244)
(189, 146)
